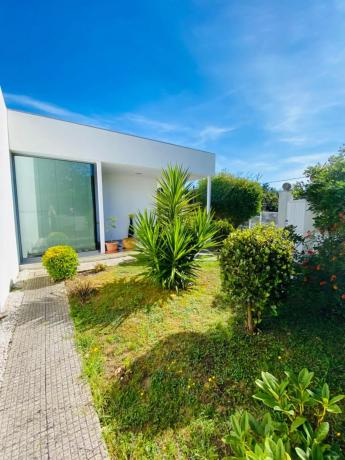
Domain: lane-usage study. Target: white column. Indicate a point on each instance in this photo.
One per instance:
(284, 198)
(208, 200)
(100, 206)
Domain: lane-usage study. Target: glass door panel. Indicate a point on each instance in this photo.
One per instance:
(55, 204)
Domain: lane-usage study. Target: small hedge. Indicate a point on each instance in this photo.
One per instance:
(256, 266)
(224, 228)
(61, 262)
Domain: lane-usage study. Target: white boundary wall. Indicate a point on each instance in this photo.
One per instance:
(294, 212)
(8, 244)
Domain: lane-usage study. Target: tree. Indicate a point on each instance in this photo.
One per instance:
(234, 198)
(270, 198)
(171, 236)
(325, 191)
(256, 266)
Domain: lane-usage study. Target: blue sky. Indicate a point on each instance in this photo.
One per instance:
(260, 83)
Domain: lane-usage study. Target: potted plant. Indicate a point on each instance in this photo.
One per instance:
(111, 245)
(129, 242)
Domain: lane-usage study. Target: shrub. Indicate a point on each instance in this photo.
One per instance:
(82, 289)
(270, 198)
(295, 237)
(61, 262)
(171, 236)
(234, 198)
(224, 228)
(256, 266)
(99, 268)
(322, 269)
(297, 428)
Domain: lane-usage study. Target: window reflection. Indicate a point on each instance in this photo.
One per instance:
(55, 200)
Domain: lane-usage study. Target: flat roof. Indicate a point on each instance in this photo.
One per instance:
(52, 117)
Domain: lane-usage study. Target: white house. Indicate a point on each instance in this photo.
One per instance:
(61, 181)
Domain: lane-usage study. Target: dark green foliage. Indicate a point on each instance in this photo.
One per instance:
(224, 228)
(256, 267)
(172, 235)
(297, 428)
(295, 237)
(61, 262)
(325, 191)
(234, 198)
(322, 269)
(270, 198)
(131, 226)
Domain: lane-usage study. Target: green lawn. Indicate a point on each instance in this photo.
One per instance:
(167, 370)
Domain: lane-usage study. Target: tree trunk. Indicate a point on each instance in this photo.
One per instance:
(250, 323)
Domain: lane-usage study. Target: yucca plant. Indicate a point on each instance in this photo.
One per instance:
(172, 234)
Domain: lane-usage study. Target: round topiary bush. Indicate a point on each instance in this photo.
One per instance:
(61, 262)
(256, 266)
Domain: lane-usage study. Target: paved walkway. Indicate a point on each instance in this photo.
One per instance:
(45, 407)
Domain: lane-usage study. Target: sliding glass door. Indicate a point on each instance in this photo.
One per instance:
(55, 204)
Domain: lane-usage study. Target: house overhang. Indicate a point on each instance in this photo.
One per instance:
(43, 136)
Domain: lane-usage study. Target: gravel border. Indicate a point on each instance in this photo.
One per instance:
(7, 325)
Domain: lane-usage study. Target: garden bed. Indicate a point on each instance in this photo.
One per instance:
(167, 370)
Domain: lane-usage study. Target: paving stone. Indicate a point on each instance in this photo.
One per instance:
(46, 408)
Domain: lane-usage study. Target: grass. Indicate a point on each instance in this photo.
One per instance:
(167, 370)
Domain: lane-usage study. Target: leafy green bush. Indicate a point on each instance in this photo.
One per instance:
(61, 262)
(224, 228)
(296, 429)
(270, 199)
(256, 266)
(234, 198)
(172, 235)
(322, 269)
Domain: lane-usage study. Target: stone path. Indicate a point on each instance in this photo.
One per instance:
(45, 406)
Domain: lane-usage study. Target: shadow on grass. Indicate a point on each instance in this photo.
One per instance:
(132, 263)
(190, 375)
(116, 301)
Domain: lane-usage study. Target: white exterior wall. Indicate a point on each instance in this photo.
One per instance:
(37, 135)
(125, 194)
(299, 215)
(8, 244)
(294, 212)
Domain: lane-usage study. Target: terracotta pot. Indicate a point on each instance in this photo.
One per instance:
(128, 243)
(111, 246)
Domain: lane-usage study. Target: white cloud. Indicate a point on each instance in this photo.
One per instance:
(308, 159)
(195, 135)
(212, 133)
(142, 120)
(47, 108)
